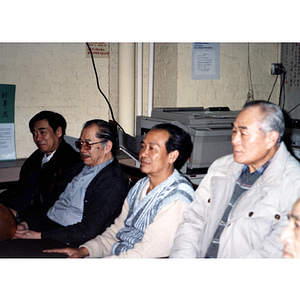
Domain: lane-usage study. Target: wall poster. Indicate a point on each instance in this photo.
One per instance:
(7, 119)
(205, 61)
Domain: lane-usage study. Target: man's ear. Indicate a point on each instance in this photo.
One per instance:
(272, 138)
(108, 146)
(173, 155)
(59, 131)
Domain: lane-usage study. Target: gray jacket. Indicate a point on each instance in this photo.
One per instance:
(257, 219)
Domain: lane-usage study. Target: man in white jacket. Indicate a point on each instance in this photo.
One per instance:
(241, 206)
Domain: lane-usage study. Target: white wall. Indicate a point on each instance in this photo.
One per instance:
(55, 77)
(59, 77)
(173, 66)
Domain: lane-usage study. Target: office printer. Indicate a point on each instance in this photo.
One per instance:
(210, 130)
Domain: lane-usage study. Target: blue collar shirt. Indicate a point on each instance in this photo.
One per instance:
(68, 209)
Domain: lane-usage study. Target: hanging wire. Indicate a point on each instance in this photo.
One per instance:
(293, 108)
(98, 85)
(282, 91)
(273, 88)
(250, 96)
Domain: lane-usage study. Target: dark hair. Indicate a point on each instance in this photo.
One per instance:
(179, 140)
(106, 132)
(54, 119)
(272, 117)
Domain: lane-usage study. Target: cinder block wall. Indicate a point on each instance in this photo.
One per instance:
(59, 77)
(56, 77)
(173, 69)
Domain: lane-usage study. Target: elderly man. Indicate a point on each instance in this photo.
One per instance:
(92, 196)
(290, 236)
(154, 206)
(241, 205)
(45, 170)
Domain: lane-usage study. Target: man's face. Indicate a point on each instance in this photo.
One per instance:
(98, 153)
(45, 138)
(290, 236)
(250, 146)
(154, 159)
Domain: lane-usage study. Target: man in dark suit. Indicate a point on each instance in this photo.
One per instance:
(45, 170)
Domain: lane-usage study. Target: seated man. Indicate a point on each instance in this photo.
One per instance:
(91, 197)
(241, 205)
(290, 236)
(45, 170)
(154, 205)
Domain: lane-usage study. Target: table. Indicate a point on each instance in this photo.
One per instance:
(26, 248)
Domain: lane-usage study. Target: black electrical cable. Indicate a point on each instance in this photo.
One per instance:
(250, 95)
(293, 108)
(98, 85)
(282, 90)
(273, 88)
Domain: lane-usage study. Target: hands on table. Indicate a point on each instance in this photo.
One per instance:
(23, 232)
(71, 252)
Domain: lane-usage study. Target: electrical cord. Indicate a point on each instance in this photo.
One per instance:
(98, 85)
(250, 96)
(282, 91)
(293, 108)
(273, 88)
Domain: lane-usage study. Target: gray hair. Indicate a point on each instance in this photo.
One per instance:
(272, 117)
(106, 132)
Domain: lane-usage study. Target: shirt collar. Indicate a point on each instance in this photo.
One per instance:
(47, 158)
(96, 169)
(260, 170)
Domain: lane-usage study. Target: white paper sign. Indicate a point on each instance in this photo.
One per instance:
(205, 61)
(7, 141)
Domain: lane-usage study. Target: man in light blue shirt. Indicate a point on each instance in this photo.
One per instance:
(90, 199)
(68, 209)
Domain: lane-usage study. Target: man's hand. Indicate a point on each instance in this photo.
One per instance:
(22, 226)
(23, 232)
(71, 252)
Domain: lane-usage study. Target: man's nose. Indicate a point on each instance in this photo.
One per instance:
(82, 149)
(235, 139)
(38, 136)
(286, 233)
(143, 152)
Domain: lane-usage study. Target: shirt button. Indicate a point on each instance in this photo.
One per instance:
(251, 214)
(277, 217)
(208, 200)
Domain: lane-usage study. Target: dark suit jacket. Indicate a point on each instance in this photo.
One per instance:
(37, 186)
(103, 203)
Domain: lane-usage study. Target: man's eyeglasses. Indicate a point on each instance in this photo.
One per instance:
(86, 145)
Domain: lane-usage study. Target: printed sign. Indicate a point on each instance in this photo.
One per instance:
(99, 50)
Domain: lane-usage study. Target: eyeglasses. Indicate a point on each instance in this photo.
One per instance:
(86, 145)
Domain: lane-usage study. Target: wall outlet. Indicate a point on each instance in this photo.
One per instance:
(276, 69)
